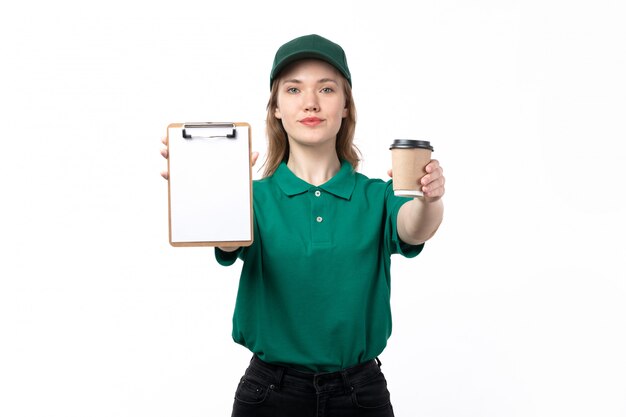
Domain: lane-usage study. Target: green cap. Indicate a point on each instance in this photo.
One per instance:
(310, 46)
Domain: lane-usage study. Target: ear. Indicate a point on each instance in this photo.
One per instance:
(277, 113)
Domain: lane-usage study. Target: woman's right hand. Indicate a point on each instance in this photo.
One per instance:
(165, 154)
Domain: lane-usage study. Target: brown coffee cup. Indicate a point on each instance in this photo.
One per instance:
(408, 160)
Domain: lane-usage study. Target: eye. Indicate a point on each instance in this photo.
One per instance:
(327, 90)
(292, 90)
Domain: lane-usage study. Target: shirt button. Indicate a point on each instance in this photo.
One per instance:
(319, 219)
(318, 193)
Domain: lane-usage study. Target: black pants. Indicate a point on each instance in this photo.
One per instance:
(274, 391)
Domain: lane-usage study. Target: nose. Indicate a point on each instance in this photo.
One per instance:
(311, 102)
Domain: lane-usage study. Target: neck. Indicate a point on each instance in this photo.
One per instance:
(316, 168)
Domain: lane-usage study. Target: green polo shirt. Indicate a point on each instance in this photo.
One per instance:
(314, 291)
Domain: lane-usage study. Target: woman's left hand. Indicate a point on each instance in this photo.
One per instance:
(433, 183)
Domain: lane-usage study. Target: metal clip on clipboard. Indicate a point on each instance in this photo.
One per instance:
(228, 130)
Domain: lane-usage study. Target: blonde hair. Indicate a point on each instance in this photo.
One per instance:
(278, 144)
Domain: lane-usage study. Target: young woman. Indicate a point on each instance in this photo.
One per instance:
(313, 304)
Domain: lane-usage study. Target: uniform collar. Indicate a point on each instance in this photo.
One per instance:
(341, 185)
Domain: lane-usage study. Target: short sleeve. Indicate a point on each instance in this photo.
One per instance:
(226, 258)
(395, 244)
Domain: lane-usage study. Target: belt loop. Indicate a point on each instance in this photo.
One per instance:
(379, 362)
(346, 382)
(280, 372)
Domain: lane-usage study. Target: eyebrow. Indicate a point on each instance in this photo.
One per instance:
(320, 81)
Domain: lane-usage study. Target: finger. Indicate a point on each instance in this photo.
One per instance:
(435, 182)
(254, 157)
(435, 188)
(165, 175)
(390, 173)
(164, 140)
(428, 178)
(433, 197)
(432, 166)
(433, 174)
(436, 194)
(164, 153)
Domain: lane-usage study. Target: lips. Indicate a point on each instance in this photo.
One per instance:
(311, 121)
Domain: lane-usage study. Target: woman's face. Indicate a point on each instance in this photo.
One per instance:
(311, 103)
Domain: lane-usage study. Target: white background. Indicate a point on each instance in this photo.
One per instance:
(517, 306)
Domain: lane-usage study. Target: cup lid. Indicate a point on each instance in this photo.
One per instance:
(410, 144)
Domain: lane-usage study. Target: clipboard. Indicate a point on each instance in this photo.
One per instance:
(210, 184)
